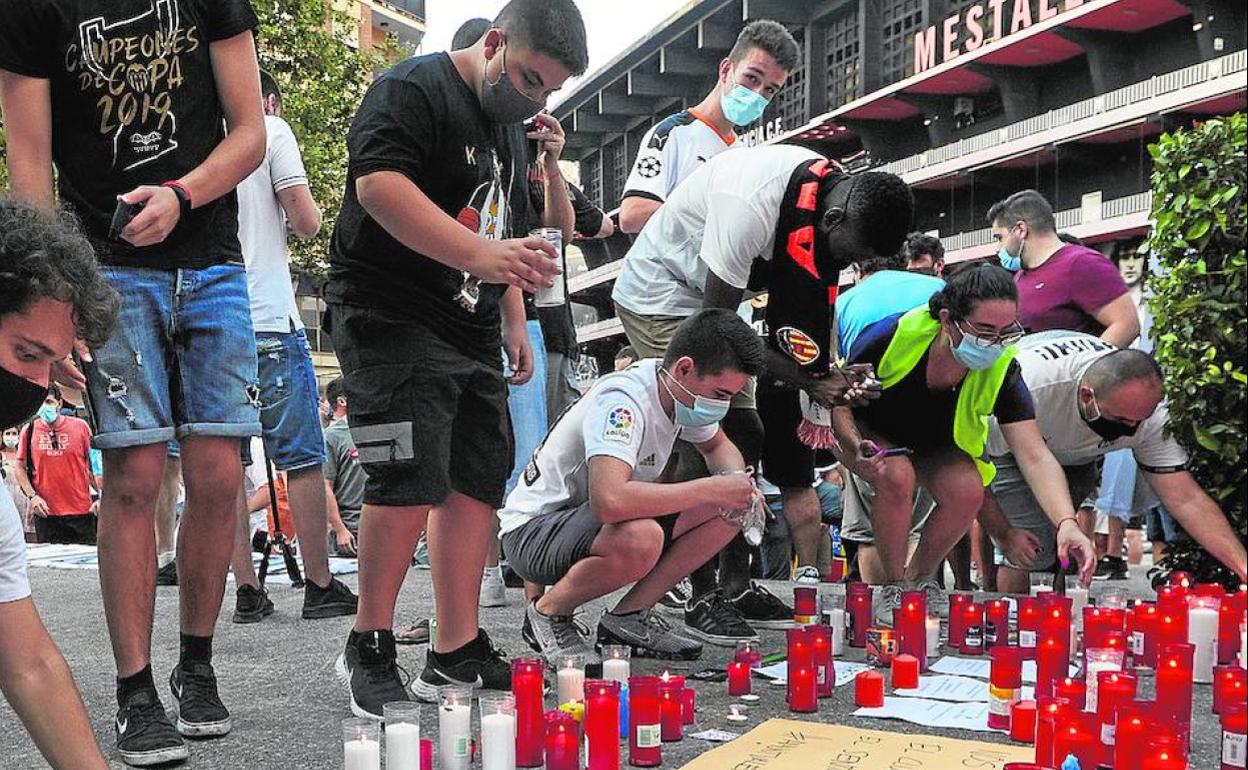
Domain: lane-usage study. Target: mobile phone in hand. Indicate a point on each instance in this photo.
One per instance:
(897, 451)
(122, 215)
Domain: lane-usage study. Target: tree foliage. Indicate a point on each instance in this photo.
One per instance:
(305, 45)
(1201, 317)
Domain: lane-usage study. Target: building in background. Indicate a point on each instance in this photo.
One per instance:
(405, 19)
(967, 100)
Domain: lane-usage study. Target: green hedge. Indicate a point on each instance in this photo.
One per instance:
(1201, 314)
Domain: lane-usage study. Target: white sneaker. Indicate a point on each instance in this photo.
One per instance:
(806, 575)
(493, 589)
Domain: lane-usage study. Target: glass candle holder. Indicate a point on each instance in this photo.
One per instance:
(603, 712)
(361, 744)
(805, 604)
(671, 719)
(1099, 659)
(1041, 582)
(498, 731)
(1115, 690)
(1131, 734)
(454, 728)
(1113, 598)
(834, 617)
(825, 671)
(973, 629)
(1234, 737)
(645, 737)
(932, 627)
(1174, 687)
(570, 679)
(858, 598)
(402, 719)
(739, 678)
(615, 662)
(1202, 633)
(1048, 711)
(527, 684)
(957, 621)
(996, 623)
(562, 742)
(748, 652)
(1005, 684)
(1028, 625)
(910, 623)
(1230, 687)
(1077, 594)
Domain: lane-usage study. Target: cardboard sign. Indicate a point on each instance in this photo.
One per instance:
(781, 744)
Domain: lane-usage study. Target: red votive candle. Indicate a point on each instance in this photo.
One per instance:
(1144, 636)
(1052, 663)
(1174, 687)
(602, 723)
(802, 689)
(671, 714)
(1131, 735)
(1115, 690)
(973, 629)
(1231, 610)
(563, 745)
(688, 705)
(526, 686)
(426, 752)
(1165, 759)
(957, 627)
(1073, 690)
(910, 622)
(905, 672)
(1005, 683)
(1230, 687)
(1181, 579)
(1075, 735)
(645, 734)
(738, 678)
(1028, 625)
(825, 671)
(805, 604)
(857, 613)
(1234, 737)
(996, 623)
(869, 689)
(1049, 709)
(1023, 721)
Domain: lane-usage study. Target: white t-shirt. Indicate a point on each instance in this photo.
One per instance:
(619, 417)
(13, 582)
(262, 230)
(1052, 364)
(671, 150)
(721, 218)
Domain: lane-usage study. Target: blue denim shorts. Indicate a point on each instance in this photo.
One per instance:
(182, 361)
(289, 402)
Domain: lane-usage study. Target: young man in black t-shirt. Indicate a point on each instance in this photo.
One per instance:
(155, 103)
(426, 270)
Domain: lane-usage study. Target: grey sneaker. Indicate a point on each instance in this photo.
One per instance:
(886, 601)
(807, 575)
(556, 637)
(420, 559)
(937, 599)
(648, 636)
(493, 589)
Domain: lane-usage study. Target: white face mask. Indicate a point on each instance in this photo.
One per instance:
(10, 442)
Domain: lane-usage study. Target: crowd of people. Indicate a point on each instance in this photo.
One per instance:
(951, 399)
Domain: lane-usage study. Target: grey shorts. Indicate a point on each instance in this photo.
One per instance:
(856, 500)
(1023, 511)
(545, 548)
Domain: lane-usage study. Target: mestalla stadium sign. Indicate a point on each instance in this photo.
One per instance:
(979, 25)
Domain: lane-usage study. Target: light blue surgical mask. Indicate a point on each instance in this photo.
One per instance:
(973, 354)
(705, 411)
(742, 106)
(48, 413)
(1009, 261)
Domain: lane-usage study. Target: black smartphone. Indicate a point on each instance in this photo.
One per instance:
(121, 217)
(535, 147)
(897, 451)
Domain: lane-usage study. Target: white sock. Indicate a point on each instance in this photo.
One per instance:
(163, 559)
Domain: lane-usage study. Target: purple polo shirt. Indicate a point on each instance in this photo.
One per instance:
(1066, 290)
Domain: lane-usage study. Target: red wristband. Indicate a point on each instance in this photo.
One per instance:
(184, 196)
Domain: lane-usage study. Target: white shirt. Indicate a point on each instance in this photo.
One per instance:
(13, 582)
(721, 219)
(1053, 363)
(619, 417)
(670, 151)
(262, 230)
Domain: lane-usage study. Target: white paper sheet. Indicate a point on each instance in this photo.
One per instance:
(981, 667)
(846, 670)
(932, 713)
(957, 689)
(716, 736)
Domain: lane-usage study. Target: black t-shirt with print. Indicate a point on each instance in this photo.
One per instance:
(134, 102)
(422, 120)
(911, 414)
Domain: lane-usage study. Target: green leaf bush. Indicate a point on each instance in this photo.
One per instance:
(1201, 313)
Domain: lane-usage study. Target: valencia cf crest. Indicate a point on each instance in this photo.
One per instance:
(797, 344)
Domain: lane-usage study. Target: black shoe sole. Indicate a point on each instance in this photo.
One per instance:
(155, 756)
(335, 610)
(771, 625)
(216, 729)
(255, 616)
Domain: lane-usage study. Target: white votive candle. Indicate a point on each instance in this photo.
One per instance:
(615, 663)
(933, 636)
(455, 728)
(403, 747)
(498, 732)
(361, 749)
(571, 680)
(1202, 633)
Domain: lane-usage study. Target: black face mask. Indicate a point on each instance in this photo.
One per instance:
(1110, 430)
(502, 102)
(19, 398)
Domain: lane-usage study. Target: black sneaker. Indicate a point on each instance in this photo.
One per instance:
(201, 714)
(251, 605)
(376, 678)
(478, 665)
(168, 574)
(1111, 568)
(713, 619)
(345, 664)
(332, 601)
(647, 635)
(677, 596)
(145, 736)
(763, 609)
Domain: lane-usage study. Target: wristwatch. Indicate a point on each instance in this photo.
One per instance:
(184, 197)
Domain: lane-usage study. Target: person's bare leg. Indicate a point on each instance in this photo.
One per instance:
(621, 554)
(697, 533)
(988, 568)
(214, 474)
(306, 487)
(1117, 532)
(1013, 581)
(166, 505)
(494, 551)
(823, 558)
(1159, 551)
(240, 561)
(126, 536)
(960, 563)
(386, 539)
(533, 591)
(802, 510)
(955, 485)
(891, 514)
(870, 566)
(459, 532)
(1135, 546)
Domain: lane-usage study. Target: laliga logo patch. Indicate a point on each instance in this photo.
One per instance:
(797, 344)
(619, 425)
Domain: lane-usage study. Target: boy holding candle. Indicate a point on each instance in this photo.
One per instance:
(592, 514)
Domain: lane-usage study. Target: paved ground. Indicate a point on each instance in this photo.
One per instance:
(277, 678)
